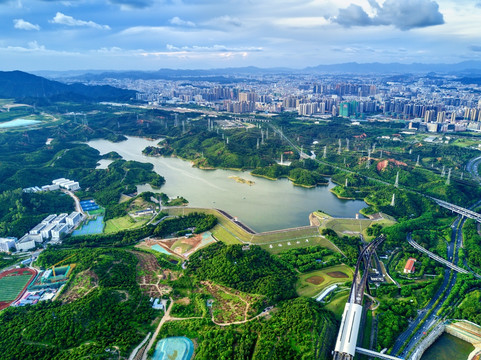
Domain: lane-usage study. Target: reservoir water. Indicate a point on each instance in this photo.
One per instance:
(448, 347)
(18, 123)
(266, 205)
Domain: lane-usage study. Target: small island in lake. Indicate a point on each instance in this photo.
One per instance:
(242, 181)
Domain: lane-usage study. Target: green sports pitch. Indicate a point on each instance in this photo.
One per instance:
(11, 286)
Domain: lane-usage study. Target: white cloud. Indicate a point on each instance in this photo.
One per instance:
(24, 25)
(302, 22)
(178, 21)
(70, 21)
(32, 46)
(403, 14)
(223, 21)
(213, 48)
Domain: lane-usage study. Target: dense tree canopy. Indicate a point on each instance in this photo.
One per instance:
(253, 270)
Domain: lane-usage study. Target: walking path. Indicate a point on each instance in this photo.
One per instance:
(156, 333)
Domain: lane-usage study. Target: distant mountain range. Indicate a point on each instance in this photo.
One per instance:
(466, 68)
(22, 85)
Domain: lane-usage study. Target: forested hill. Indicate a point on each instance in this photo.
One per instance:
(21, 85)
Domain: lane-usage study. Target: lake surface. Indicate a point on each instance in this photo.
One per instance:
(266, 205)
(174, 348)
(18, 122)
(448, 347)
(104, 163)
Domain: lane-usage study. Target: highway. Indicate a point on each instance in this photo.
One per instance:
(473, 166)
(455, 244)
(436, 257)
(446, 286)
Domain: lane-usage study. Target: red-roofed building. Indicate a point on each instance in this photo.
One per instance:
(409, 268)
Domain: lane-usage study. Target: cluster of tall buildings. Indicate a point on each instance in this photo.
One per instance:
(440, 99)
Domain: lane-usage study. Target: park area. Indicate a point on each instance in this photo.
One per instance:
(274, 242)
(174, 348)
(312, 283)
(124, 223)
(353, 227)
(13, 283)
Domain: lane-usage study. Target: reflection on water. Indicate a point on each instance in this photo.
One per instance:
(104, 163)
(448, 347)
(266, 205)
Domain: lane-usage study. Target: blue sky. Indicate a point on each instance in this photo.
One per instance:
(153, 34)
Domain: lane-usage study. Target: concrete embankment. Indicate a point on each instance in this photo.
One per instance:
(462, 329)
(427, 342)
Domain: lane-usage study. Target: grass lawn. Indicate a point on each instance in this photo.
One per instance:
(123, 223)
(338, 302)
(235, 232)
(12, 285)
(221, 234)
(96, 212)
(284, 245)
(288, 234)
(179, 244)
(312, 283)
(230, 233)
(352, 227)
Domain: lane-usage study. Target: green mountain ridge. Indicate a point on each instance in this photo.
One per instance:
(22, 85)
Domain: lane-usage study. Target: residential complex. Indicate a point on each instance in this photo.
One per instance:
(434, 104)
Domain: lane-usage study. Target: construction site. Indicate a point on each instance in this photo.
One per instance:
(46, 285)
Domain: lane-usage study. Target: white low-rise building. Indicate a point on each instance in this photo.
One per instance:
(74, 218)
(58, 231)
(35, 237)
(60, 219)
(25, 243)
(52, 187)
(7, 244)
(67, 184)
(58, 181)
(37, 229)
(49, 219)
(74, 186)
(47, 231)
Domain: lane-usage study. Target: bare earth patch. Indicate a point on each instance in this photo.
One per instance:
(316, 280)
(183, 301)
(83, 284)
(150, 274)
(337, 275)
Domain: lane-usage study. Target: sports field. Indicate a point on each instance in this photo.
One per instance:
(12, 283)
(312, 283)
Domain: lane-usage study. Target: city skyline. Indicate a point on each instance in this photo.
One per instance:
(153, 34)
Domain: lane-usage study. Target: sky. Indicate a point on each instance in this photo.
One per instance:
(204, 34)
